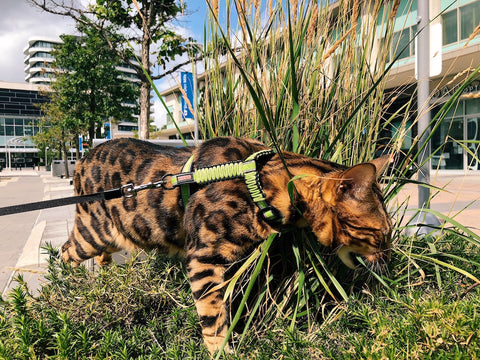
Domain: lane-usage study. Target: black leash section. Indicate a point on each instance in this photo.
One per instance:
(127, 191)
(15, 209)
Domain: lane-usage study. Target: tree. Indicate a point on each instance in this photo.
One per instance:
(88, 89)
(93, 89)
(142, 22)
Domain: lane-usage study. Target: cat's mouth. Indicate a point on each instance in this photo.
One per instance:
(349, 257)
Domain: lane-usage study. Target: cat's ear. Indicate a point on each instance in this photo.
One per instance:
(358, 177)
(381, 163)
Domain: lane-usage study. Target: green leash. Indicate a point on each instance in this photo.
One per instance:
(233, 170)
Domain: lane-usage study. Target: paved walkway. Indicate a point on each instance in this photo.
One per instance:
(459, 199)
(23, 235)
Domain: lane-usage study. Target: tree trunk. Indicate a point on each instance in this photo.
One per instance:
(76, 141)
(145, 87)
(65, 154)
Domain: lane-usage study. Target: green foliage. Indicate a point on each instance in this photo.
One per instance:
(143, 310)
(88, 89)
(130, 311)
(302, 84)
(145, 23)
(288, 85)
(305, 81)
(148, 18)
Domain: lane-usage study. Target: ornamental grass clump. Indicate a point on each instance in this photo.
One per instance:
(311, 79)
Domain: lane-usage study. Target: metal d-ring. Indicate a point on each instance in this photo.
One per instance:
(164, 182)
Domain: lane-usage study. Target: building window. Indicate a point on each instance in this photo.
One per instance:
(458, 24)
(450, 28)
(170, 115)
(42, 54)
(403, 43)
(43, 44)
(458, 131)
(127, 128)
(469, 19)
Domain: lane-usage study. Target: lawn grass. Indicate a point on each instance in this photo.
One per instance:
(144, 310)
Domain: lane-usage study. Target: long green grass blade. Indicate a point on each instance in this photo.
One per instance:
(445, 265)
(265, 246)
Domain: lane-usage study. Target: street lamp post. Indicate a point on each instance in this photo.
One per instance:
(423, 96)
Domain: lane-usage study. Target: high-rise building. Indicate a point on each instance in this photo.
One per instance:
(38, 60)
(38, 70)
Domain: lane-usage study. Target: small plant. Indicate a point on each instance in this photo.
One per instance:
(129, 311)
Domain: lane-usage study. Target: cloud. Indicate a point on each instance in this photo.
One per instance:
(20, 21)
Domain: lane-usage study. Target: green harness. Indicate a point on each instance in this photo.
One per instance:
(233, 170)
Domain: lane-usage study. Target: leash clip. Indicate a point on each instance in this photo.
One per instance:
(128, 191)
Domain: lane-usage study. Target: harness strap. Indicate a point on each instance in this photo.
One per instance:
(246, 170)
(185, 185)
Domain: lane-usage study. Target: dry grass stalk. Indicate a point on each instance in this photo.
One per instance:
(242, 15)
(312, 27)
(393, 13)
(215, 7)
(474, 33)
(294, 9)
(335, 46)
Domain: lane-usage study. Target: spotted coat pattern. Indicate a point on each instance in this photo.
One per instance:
(343, 206)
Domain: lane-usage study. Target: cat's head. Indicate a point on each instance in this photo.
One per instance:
(358, 221)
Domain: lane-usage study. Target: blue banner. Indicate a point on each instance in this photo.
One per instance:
(187, 86)
(106, 131)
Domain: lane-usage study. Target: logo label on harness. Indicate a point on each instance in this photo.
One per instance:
(185, 178)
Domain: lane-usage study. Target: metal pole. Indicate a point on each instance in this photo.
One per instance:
(423, 96)
(9, 157)
(195, 99)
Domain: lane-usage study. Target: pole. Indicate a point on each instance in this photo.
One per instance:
(195, 99)
(423, 96)
(9, 157)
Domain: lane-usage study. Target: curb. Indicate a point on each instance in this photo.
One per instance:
(30, 256)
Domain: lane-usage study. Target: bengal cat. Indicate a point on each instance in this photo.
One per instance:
(343, 206)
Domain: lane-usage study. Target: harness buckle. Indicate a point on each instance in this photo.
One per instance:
(269, 214)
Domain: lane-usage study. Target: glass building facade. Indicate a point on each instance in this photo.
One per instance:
(455, 144)
(19, 118)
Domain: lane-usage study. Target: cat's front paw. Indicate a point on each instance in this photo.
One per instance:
(214, 344)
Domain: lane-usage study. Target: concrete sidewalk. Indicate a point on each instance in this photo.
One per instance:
(25, 234)
(459, 198)
(50, 225)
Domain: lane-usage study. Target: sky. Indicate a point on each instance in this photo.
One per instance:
(20, 21)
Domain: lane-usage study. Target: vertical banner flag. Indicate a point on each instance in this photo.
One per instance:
(107, 131)
(187, 86)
